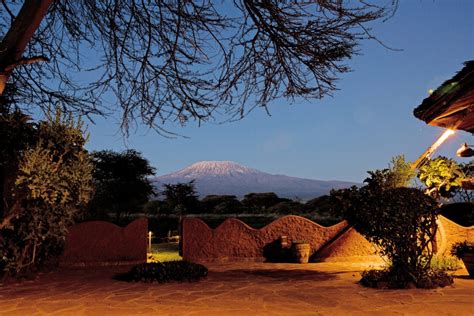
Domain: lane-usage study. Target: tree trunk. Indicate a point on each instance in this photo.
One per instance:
(19, 35)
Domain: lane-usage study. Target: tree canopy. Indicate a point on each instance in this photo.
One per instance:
(121, 184)
(181, 197)
(178, 60)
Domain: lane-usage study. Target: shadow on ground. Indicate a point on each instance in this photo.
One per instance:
(275, 274)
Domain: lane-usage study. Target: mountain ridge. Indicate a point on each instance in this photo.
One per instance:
(231, 178)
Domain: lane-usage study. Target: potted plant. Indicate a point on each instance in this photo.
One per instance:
(300, 251)
(465, 252)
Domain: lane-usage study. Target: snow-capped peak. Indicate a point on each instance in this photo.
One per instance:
(214, 168)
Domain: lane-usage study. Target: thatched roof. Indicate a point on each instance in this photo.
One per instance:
(452, 104)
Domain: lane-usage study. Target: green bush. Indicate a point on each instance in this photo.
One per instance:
(444, 263)
(401, 222)
(52, 186)
(163, 272)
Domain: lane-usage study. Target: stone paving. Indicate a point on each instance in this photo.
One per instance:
(232, 289)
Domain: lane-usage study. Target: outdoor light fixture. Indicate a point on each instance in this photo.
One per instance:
(465, 151)
(427, 154)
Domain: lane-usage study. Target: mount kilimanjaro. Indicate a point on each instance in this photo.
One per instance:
(231, 178)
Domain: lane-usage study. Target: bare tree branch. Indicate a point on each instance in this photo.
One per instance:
(174, 61)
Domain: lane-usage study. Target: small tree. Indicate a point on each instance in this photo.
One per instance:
(398, 174)
(442, 176)
(400, 223)
(121, 182)
(181, 197)
(53, 184)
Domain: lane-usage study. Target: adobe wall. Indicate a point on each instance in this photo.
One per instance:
(348, 246)
(235, 240)
(102, 243)
(449, 233)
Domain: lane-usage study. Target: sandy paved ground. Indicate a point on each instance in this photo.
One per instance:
(232, 289)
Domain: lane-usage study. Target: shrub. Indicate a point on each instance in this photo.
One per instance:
(52, 186)
(444, 263)
(460, 248)
(390, 279)
(163, 272)
(401, 222)
(442, 177)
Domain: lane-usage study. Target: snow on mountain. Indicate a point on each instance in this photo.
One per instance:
(228, 177)
(213, 168)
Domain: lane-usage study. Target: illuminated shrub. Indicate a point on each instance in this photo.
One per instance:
(401, 222)
(53, 183)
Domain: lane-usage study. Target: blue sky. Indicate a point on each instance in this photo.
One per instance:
(360, 128)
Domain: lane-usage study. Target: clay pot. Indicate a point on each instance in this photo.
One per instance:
(300, 252)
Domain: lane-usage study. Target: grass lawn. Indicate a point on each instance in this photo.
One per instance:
(164, 252)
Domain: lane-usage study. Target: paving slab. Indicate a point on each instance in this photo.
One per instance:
(232, 289)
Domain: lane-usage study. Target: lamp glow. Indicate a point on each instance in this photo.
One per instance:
(427, 154)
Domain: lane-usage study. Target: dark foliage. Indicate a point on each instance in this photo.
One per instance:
(261, 201)
(157, 208)
(164, 272)
(390, 279)
(461, 248)
(222, 204)
(18, 133)
(181, 60)
(401, 222)
(121, 183)
(461, 194)
(287, 207)
(181, 198)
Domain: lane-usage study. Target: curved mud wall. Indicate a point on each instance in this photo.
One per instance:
(348, 246)
(235, 240)
(449, 233)
(103, 243)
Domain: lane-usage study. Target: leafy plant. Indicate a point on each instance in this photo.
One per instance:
(442, 176)
(52, 186)
(398, 174)
(400, 222)
(464, 194)
(444, 263)
(163, 272)
(459, 249)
